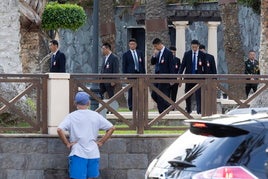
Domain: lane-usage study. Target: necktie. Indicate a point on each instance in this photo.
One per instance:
(194, 63)
(160, 56)
(136, 60)
(52, 59)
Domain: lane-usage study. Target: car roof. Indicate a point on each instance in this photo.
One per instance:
(248, 110)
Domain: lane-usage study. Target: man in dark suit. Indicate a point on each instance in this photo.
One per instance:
(110, 65)
(177, 64)
(58, 60)
(251, 68)
(132, 62)
(163, 61)
(193, 63)
(210, 66)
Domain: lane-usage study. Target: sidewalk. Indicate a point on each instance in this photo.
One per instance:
(176, 115)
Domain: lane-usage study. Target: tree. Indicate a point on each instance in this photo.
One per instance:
(232, 42)
(261, 100)
(107, 24)
(33, 40)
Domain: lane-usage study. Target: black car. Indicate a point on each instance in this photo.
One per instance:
(221, 147)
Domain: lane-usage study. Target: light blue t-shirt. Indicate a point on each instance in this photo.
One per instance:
(83, 127)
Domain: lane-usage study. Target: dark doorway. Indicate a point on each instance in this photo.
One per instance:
(139, 35)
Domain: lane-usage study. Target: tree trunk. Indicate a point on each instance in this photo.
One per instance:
(264, 37)
(34, 45)
(233, 43)
(107, 24)
(156, 26)
(262, 99)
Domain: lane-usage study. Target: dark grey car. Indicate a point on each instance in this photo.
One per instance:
(227, 146)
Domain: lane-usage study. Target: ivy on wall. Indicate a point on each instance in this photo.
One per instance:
(64, 16)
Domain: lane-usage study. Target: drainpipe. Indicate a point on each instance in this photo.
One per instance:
(95, 87)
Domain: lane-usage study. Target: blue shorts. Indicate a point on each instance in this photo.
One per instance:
(81, 168)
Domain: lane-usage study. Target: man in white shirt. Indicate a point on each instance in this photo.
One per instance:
(83, 126)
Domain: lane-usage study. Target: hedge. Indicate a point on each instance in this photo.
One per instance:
(64, 16)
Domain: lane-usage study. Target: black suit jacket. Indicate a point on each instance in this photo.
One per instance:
(210, 66)
(128, 65)
(186, 63)
(111, 66)
(177, 64)
(165, 64)
(58, 65)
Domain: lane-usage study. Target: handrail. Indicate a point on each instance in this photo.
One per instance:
(30, 92)
(23, 100)
(142, 83)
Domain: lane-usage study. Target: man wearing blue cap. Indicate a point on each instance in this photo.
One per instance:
(83, 126)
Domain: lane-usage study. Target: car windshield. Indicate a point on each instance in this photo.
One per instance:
(204, 152)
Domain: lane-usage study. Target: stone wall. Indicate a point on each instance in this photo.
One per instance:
(45, 157)
(10, 37)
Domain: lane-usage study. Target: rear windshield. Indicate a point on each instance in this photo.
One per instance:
(205, 152)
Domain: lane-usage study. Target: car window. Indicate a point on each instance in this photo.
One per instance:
(206, 152)
(216, 152)
(256, 157)
(179, 148)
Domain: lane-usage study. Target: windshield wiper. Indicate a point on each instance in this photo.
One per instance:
(180, 164)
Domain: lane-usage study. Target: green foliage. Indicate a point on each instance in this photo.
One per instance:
(83, 3)
(31, 104)
(254, 4)
(65, 16)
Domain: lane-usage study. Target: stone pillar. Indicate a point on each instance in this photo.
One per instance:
(180, 37)
(58, 99)
(212, 40)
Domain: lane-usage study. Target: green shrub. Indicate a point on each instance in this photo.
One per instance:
(64, 16)
(254, 4)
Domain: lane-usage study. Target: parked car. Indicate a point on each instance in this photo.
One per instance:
(218, 147)
(247, 111)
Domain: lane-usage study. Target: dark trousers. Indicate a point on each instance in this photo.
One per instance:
(188, 87)
(251, 86)
(106, 87)
(161, 103)
(129, 99)
(174, 91)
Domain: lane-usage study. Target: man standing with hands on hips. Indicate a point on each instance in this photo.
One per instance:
(133, 62)
(83, 126)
